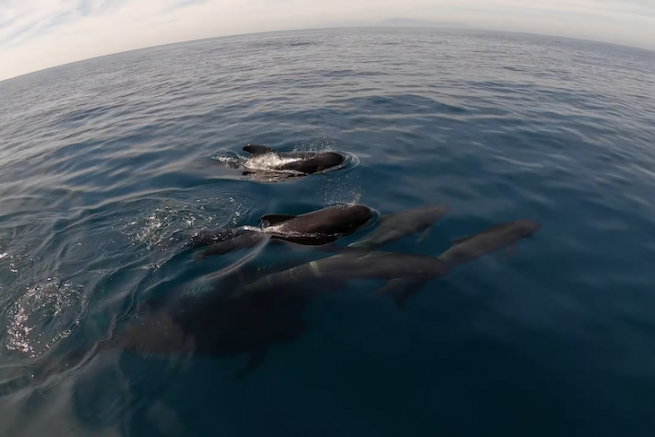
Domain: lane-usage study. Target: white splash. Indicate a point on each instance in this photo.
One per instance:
(344, 190)
(43, 316)
(269, 161)
(159, 226)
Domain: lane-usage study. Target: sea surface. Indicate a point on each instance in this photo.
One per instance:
(108, 166)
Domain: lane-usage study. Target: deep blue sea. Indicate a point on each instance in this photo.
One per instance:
(107, 165)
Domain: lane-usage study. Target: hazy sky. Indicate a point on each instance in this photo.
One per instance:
(37, 34)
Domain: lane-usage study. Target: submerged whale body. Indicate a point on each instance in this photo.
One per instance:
(303, 163)
(502, 235)
(407, 274)
(402, 224)
(220, 323)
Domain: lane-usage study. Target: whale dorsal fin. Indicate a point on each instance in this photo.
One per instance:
(255, 149)
(460, 240)
(275, 219)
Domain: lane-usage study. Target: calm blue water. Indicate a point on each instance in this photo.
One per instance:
(107, 163)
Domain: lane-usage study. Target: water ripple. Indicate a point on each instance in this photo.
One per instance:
(106, 170)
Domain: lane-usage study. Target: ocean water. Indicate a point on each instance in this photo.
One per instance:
(108, 165)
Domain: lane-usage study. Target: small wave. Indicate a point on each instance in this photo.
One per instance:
(10, 261)
(45, 315)
(281, 45)
(348, 164)
(159, 226)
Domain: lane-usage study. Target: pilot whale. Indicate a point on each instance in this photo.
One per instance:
(318, 227)
(221, 323)
(406, 273)
(502, 235)
(312, 229)
(401, 224)
(303, 163)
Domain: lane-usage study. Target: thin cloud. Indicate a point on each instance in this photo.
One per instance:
(38, 34)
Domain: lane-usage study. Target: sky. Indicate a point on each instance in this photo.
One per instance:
(38, 34)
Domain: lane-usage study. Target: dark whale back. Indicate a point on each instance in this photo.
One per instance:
(318, 227)
(319, 162)
(305, 162)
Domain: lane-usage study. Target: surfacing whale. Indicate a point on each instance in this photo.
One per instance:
(312, 229)
(298, 163)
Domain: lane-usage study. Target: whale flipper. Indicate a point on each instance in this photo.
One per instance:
(274, 219)
(255, 149)
(401, 289)
(424, 235)
(410, 290)
(390, 287)
(460, 240)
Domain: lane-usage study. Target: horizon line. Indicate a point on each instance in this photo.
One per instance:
(373, 26)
